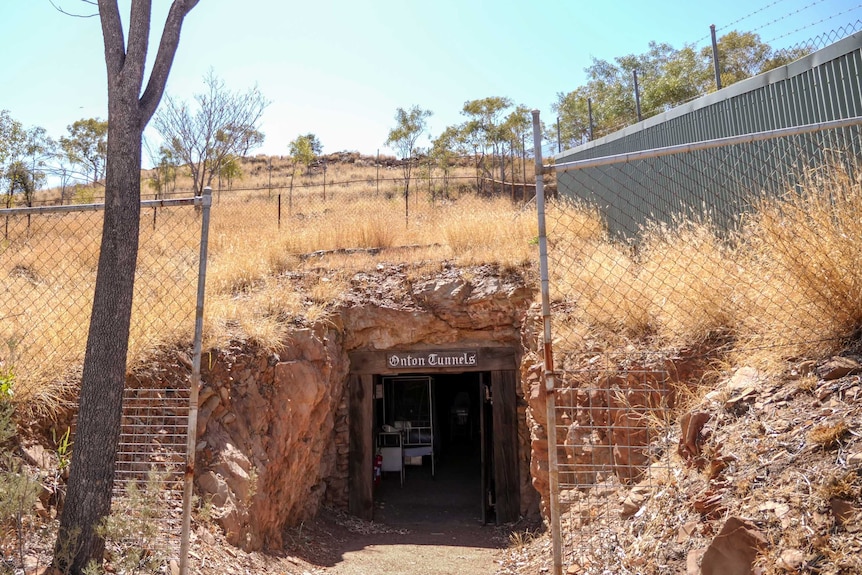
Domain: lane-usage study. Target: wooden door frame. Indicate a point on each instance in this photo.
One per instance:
(500, 362)
(507, 488)
(360, 460)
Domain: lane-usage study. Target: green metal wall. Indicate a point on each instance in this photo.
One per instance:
(719, 184)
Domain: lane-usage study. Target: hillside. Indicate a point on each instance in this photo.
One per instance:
(763, 441)
(765, 471)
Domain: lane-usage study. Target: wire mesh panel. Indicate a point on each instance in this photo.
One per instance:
(48, 266)
(48, 260)
(663, 267)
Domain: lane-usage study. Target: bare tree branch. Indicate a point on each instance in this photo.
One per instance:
(165, 57)
(61, 11)
(114, 38)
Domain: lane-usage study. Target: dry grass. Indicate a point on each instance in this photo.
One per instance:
(593, 273)
(260, 280)
(828, 435)
(804, 294)
(688, 276)
(788, 286)
(602, 278)
(790, 283)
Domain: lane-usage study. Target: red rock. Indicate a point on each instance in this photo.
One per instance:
(838, 367)
(733, 550)
(686, 532)
(692, 436)
(709, 504)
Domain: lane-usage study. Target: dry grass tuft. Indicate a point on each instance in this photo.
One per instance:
(841, 486)
(804, 289)
(687, 276)
(479, 231)
(596, 274)
(828, 435)
(610, 297)
(519, 540)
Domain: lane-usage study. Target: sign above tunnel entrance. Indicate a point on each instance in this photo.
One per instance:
(432, 359)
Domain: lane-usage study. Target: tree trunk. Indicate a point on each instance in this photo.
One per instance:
(91, 480)
(101, 400)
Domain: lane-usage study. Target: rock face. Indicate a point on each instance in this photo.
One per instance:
(273, 433)
(603, 414)
(265, 425)
(395, 312)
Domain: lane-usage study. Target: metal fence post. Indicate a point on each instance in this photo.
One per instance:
(715, 63)
(550, 427)
(559, 140)
(188, 487)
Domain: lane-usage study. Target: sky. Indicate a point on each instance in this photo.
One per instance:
(341, 68)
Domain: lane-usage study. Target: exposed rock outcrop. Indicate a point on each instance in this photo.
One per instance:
(273, 429)
(266, 424)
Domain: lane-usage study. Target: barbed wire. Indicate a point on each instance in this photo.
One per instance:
(814, 24)
(777, 19)
(786, 16)
(742, 19)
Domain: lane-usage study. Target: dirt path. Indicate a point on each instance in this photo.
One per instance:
(420, 551)
(430, 526)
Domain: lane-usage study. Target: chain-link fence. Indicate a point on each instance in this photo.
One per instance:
(661, 265)
(48, 259)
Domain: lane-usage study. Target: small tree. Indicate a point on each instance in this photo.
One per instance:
(87, 146)
(516, 127)
(20, 181)
(230, 170)
(39, 149)
(12, 137)
(486, 130)
(225, 124)
(316, 146)
(444, 152)
(23, 158)
(163, 177)
(410, 124)
(302, 150)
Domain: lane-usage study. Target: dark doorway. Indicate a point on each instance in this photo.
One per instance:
(447, 438)
(455, 485)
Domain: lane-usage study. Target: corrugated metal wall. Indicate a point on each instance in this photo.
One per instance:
(718, 184)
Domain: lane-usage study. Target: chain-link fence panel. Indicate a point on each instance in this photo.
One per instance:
(664, 265)
(48, 259)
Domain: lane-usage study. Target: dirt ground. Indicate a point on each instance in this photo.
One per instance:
(427, 525)
(343, 547)
(430, 525)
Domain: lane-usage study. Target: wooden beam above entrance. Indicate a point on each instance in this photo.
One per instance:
(433, 360)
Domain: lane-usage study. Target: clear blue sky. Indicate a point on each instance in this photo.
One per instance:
(340, 68)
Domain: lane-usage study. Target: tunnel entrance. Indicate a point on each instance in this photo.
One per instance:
(433, 436)
(432, 448)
